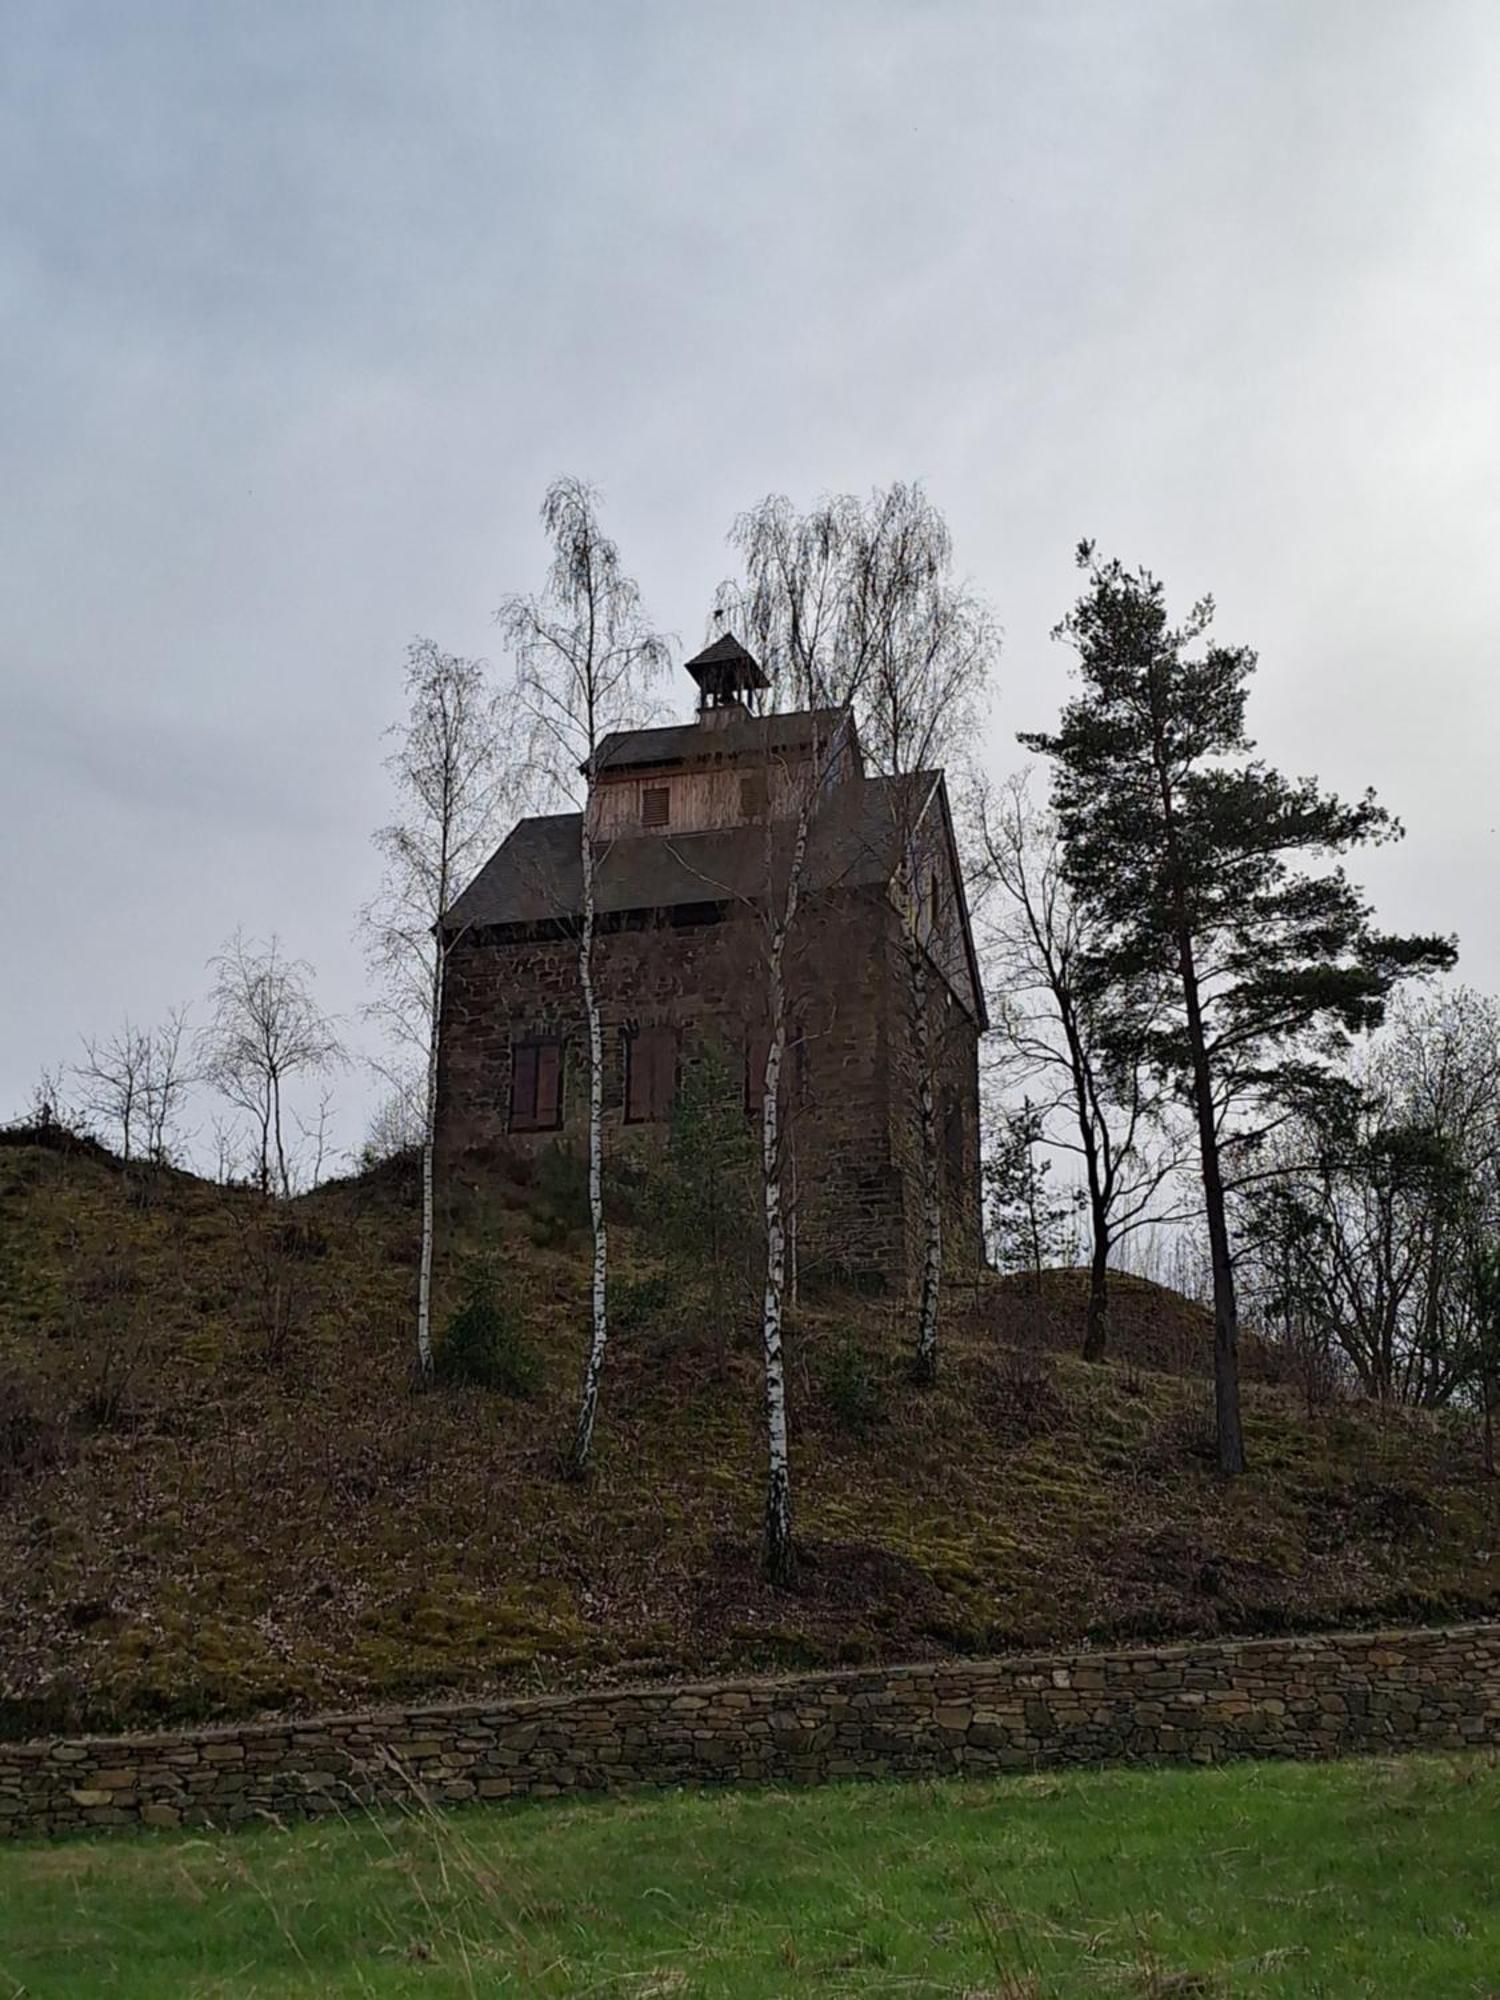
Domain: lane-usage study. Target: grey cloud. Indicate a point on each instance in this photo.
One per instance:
(301, 307)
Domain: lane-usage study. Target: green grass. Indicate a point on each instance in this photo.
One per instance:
(1358, 1878)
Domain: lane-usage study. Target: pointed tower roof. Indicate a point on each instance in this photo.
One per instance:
(725, 672)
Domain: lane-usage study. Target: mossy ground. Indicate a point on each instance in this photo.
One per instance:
(1263, 1881)
(221, 1492)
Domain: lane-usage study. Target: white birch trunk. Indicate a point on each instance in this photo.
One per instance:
(932, 1205)
(778, 1530)
(281, 1173)
(429, 1137)
(583, 1440)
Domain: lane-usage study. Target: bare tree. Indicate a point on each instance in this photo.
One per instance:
(266, 1028)
(314, 1133)
(1367, 1217)
(112, 1084)
(396, 1125)
(821, 597)
(49, 1108)
(136, 1081)
(1111, 1112)
(450, 776)
(585, 658)
(169, 1077)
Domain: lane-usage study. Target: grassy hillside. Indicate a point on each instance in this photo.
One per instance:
(219, 1491)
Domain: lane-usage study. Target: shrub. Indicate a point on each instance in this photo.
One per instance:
(1031, 1405)
(559, 1196)
(853, 1389)
(299, 1237)
(483, 1347)
(33, 1434)
(702, 1195)
(640, 1304)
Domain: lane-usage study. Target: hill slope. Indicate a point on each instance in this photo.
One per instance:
(220, 1493)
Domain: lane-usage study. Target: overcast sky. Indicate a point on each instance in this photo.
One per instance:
(301, 306)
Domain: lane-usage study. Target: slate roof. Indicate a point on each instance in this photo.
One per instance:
(725, 665)
(537, 873)
(732, 734)
(725, 651)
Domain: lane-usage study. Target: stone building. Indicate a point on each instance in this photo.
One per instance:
(692, 828)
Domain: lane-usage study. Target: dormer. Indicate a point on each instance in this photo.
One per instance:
(729, 767)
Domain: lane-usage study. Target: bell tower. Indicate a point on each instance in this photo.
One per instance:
(725, 674)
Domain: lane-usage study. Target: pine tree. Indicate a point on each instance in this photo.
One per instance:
(1030, 1223)
(1184, 849)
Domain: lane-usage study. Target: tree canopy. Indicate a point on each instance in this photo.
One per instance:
(1211, 880)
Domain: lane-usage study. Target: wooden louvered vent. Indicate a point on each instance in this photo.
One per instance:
(656, 805)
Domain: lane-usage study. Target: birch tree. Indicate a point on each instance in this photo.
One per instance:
(266, 1030)
(170, 1076)
(585, 658)
(820, 596)
(1106, 1108)
(933, 651)
(451, 782)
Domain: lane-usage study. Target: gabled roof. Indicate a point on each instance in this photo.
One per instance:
(732, 733)
(536, 875)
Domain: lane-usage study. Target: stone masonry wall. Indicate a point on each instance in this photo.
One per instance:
(953, 1043)
(702, 979)
(1308, 1697)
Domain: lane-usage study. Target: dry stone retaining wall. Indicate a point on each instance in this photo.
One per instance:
(1299, 1697)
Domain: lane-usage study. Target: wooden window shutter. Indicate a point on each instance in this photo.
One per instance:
(548, 1086)
(656, 805)
(650, 1075)
(523, 1087)
(536, 1086)
(664, 1073)
(637, 1091)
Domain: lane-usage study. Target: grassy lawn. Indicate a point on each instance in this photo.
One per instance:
(1356, 1878)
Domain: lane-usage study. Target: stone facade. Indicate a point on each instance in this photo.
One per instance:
(695, 834)
(849, 1094)
(1291, 1697)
